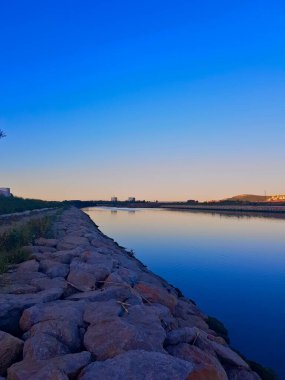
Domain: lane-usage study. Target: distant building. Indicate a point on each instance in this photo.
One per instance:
(276, 198)
(5, 192)
(114, 199)
(131, 199)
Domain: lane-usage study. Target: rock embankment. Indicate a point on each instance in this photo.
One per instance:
(84, 308)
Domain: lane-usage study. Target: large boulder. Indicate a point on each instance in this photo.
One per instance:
(68, 365)
(53, 268)
(205, 364)
(19, 282)
(12, 306)
(139, 365)
(28, 266)
(156, 294)
(85, 275)
(182, 335)
(46, 242)
(43, 346)
(67, 331)
(119, 293)
(59, 311)
(137, 328)
(10, 350)
(71, 241)
(65, 257)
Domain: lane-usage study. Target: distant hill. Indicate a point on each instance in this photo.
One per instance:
(255, 198)
(248, 198)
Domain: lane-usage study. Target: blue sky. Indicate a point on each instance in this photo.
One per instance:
(156, 99)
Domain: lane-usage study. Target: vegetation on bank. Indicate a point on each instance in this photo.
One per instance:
(221, 330)
(263, 372)
(10, 205)
(218, 327)
(13, 241)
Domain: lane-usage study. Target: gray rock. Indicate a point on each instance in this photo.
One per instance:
(207, 366)
(70, 365)
(28, 266)
(59, 311)
(46, 242)
(43, 346)
(182, 335)
(155, 294)
(67, 331)
(139, 365)
(51, 373)
(10, 350)
(71, 242)
(53, 268)
(138, 328)
(12, 306)
(119, 293)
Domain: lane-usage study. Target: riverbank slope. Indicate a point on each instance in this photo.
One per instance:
(84, 308)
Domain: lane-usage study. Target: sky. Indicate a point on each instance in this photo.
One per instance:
(157, 99)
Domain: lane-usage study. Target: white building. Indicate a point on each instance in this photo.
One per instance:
(5, 192)
(131, 199)
(114, 199)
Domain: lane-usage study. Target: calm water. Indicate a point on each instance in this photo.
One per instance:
(233, 267)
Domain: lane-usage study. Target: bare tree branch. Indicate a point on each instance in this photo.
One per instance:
(2, 134)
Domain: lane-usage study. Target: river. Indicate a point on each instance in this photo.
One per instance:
(232, 266)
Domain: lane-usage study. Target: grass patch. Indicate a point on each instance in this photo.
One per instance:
(13, 241)
(10, 205)
(219, 328)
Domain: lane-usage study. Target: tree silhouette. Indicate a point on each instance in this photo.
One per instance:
(2, 134)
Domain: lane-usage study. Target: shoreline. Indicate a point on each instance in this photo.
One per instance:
(98, 301)
(280, 210)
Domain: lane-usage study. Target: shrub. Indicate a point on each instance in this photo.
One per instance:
(219, 328)
(12, 241)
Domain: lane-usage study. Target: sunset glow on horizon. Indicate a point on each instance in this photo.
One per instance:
(158, 100)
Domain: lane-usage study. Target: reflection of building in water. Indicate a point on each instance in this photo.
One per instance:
(5, 192)
(131, 199)
(114, 199)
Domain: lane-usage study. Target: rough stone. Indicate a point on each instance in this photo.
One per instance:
(205, 364)
(155, 294)
(12, 306)
(28, 266)
(97, 312)
(119, 293)
(43, 346)
(139, 328)
(51, 338)
(58, 311)
(10, 350)
(71, 242)
(69, 364)
(182, 335)
(46, 242)
(139, 365)
(53, 268)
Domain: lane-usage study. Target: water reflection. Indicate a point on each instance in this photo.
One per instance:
(232, 265)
